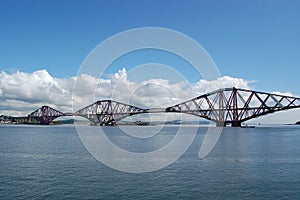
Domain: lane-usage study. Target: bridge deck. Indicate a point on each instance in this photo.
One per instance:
(229, 105)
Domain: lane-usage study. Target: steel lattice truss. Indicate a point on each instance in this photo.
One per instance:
(225, 106)
(234, 106)
(107, 112)
(45, 114)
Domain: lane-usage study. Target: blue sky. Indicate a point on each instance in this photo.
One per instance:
(252, 40)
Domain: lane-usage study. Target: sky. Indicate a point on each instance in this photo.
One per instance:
(43, 44)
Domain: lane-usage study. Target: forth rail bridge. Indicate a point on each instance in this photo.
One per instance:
(229, 106)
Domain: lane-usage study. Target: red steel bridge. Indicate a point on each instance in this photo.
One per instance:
(224, 106)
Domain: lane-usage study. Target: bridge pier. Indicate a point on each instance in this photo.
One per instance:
(220, 124)
(236, 124)
(233, 123)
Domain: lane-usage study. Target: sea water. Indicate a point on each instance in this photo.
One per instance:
(51, 162)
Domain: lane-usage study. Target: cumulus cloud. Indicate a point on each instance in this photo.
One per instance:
(27, 90)
(22, 93)
(204, 86)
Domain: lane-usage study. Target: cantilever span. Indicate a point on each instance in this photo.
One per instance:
(224, 106)
(107, 112)
(234, 106)
(45, 115)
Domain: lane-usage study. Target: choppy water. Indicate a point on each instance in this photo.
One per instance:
(50, 162)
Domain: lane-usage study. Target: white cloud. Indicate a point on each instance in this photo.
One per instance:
(33, 89)
(204, 86)
(283, 93)
(22, 93)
